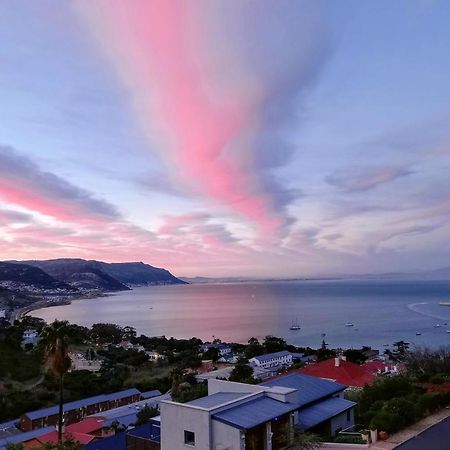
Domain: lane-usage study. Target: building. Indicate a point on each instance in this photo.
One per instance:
(322, 408)
(223, 349)
(77, 410)
(283, 358)
(30, 337)
(345, 372)
(237, 416)
(233, 416)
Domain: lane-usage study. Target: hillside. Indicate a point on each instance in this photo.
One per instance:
(81, 274)
(28, 279)
(140, 274)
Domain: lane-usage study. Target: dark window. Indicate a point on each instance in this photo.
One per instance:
(348, 415)
(189, 437)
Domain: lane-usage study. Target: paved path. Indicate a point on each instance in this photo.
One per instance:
(396, 439)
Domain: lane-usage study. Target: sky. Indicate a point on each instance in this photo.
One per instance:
(227, 138)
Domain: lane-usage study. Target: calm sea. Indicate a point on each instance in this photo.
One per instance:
(382, 311)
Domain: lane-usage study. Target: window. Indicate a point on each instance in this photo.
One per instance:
(348, 416)
(189, 437)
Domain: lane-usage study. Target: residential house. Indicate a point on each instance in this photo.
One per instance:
(277, 359)
(321, 407)
(30, 337)
(342, 371)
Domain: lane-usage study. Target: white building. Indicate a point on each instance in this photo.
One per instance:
(238, 416)
(283, 358)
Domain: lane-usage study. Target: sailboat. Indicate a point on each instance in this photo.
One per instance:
(295, 325)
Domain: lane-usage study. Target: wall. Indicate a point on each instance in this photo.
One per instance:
(226, 437)
(175, 418)
(340, 421)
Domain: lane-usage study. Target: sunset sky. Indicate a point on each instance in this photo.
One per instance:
(227, 138)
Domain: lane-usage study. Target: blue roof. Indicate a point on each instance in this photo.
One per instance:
(22, 437)
(147, 431)
(215, 400)
(324, 410)
(123, 394)
(51, 410)
(269, 356)
(9, 424)
(309, 388)
(254, 412)
(150, 394)
(123, 419)
(116, 442)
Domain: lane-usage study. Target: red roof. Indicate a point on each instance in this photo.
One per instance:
(347, 373)
(87, 426)
(52, 437)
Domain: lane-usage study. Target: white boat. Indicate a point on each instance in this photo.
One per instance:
(349, 324)
(295, 326)
(437, 325)
(444, 303)
(418, 333)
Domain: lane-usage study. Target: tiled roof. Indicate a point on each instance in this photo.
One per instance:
(52, 437)
(324, 410)
(23, 437)
(309, 388)
(89, 425)
(214, 400)
(254, 412)
(269, 356)
(347, 373)
(45, 412)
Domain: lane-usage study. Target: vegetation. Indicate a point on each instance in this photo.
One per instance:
(62, 445)
(145, 414)
(305, 441)
(55, 341)
(242, 373)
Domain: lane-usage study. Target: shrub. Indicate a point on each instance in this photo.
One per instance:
(385, 421)
(349, 439)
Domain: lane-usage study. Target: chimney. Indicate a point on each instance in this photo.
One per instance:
(337, 361)
(344, 358)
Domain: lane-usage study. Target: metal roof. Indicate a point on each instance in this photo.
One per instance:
(45, 412)
(147, 431)
(22, 437)
(254, 412)
(150, 394)
(309, 388)
(269, 356)
(324, 410)
(215, 400)
(116, 442)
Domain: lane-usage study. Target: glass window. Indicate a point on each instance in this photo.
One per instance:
(189, 437)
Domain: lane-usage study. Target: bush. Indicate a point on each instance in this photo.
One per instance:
(350, 439)
(385, 421)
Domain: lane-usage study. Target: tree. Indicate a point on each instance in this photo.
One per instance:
(55, 340)
(242, 373)
(304, 441)
(145, 414)
(104, 333)
(355, 356)
(273, 344)
(211, 353)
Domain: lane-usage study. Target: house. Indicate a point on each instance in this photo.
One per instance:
(222, 348)
(30, 337)
(342, 371)
(233, 416)
(238, 416)
(154, 356)
(283, 358)
(228, 358)
(322, 408)
(77, 410)
(19, 438)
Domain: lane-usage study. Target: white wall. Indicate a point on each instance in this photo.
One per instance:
(226, 437)
(340, 421)
(175, 418)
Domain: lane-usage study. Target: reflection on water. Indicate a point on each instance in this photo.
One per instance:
(381, 311)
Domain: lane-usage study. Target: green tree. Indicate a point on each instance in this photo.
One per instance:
(145, 414)
(242, 373)
(273, 344)
(55, 339)
(355, 356)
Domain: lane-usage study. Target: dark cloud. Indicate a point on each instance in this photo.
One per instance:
(357, 180)
(20, 171)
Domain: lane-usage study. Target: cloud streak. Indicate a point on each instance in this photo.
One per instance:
(218, 80)
(23, 183)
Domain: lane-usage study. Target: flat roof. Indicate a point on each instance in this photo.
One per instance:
(217, 399)
(254, 412)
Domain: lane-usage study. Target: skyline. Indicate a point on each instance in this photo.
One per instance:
(227, 138)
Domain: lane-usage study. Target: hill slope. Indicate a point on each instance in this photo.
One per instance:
(138, 273)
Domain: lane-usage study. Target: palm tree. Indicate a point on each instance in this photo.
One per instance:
(55, 339)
